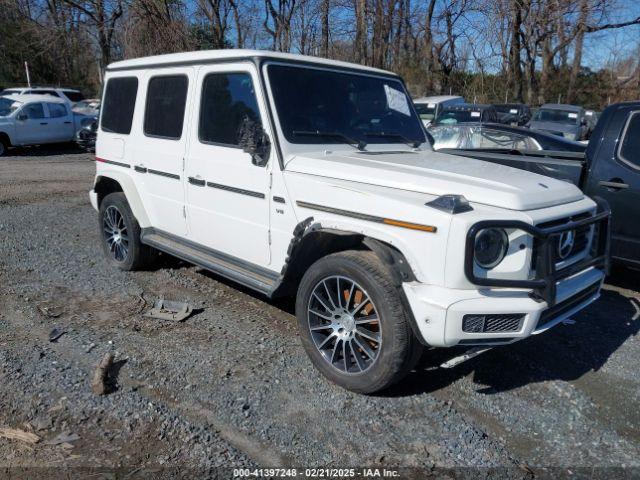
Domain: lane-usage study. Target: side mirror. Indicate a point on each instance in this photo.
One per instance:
(254, 141)
(22, 117)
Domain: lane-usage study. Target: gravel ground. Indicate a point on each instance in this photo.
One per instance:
(231, 386)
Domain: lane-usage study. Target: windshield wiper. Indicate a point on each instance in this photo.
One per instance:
(359, 144)
(408, 141)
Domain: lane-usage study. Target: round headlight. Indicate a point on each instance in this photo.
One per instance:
(490, 247)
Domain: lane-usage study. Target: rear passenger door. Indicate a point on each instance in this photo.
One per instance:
(60, 126)
(227, 195)
(159, 146)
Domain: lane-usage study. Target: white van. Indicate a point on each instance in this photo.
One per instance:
(305, 177)
(429, 108)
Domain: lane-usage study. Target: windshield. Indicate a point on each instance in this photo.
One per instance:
(7, 107)
(557, 116)
(320, 106)
(425, 110)
(451, 117)
(478, 137)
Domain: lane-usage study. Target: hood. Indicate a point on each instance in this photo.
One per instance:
(555, 127)
(440, 174)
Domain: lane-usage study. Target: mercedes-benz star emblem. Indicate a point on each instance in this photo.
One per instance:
(565, 244)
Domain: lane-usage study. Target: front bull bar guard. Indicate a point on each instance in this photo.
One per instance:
(546, 275)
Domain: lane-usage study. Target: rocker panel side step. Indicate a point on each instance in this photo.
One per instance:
(245, 273)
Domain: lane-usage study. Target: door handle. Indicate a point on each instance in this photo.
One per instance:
(200, 182)
(614, 184)
(140, 168)
(68, 123)
(43, 123)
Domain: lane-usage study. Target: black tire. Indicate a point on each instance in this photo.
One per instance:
(4, 146)
(399, 349)
(137, 256)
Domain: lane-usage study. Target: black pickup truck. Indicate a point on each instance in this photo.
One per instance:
(610, 169)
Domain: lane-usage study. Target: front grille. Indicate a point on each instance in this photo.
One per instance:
(581, 239)
(493, 323)
(559, 309)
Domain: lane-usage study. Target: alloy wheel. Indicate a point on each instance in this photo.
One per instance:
(344, 324)
(115, 232)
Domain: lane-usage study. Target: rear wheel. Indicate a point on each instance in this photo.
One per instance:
(4, 146)
(352, 322)
(120, 234)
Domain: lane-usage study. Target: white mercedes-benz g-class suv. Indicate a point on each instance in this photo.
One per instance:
(314, 178)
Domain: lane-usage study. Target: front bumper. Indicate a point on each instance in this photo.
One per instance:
(439, 312)
(541, 302)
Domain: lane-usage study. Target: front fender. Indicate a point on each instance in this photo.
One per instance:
(414, 245)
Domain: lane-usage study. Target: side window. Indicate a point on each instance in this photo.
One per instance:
(228, 104)
(630, 145)
(57, 110)
(34, 111)
(166, 101)
(119, 104)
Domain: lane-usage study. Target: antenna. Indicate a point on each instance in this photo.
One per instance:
(26, 69)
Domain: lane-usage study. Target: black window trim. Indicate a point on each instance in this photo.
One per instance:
(146, 106)
(104, 94)
(224, 72)
(619, 156)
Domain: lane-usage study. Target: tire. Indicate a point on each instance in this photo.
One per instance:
(3, 146)
(120, 235)
(368, 365)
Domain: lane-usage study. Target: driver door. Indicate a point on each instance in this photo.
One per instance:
(34, 128)
(227, 195)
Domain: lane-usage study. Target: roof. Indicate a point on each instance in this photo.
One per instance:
(206, 56)
(16, 97)
(20, 89)
(561, 106)
(54, 88)
(437, 98)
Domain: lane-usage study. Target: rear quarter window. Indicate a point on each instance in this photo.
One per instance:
(119, 104)
(166, 101)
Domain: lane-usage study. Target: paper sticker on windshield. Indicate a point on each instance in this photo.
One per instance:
(513, 110)
(475, 114)
(573, 115)
(431, 105)
(397, 100)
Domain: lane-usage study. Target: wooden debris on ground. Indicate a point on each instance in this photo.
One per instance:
(21, 435)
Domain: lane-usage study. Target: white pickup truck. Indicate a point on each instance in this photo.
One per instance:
(313, 178)
(36, 120)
